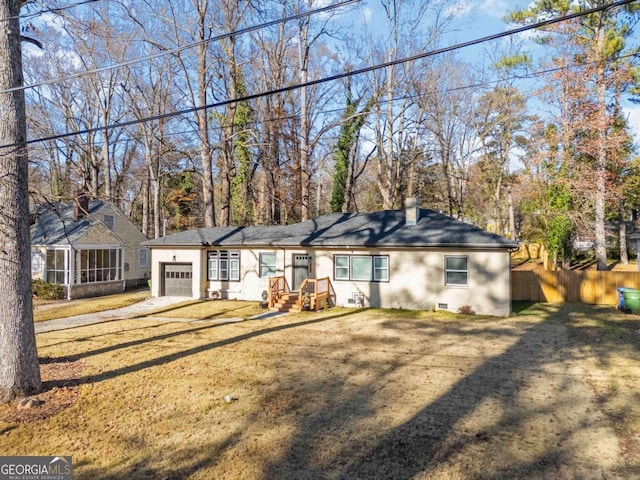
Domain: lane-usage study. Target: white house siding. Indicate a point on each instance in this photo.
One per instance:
(417, 281)
(251, 284)
(416, 278)
(193, 256)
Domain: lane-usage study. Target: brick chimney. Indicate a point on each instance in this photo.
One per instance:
(412, 211)
(81, 204)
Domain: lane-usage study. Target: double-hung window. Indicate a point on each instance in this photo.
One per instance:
(363, 268)
(456, 270)
(224, 265)
(57, 266)
(267, 264)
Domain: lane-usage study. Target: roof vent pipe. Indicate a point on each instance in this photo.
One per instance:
(412, 211)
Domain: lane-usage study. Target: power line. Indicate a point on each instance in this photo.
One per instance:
(182, 47)
(340, 76)
(383, 101)
(47, 10)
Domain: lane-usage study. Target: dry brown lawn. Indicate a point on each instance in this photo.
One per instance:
(345, 394)
(47, 310)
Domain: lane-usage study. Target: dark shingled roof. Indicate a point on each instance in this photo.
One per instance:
(54, 223)
(380, 229)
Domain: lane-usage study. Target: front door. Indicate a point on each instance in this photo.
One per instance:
(300, 270)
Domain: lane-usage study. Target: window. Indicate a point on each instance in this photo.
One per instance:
(267, 264)
(143, 257)
(364, 268)
(99, 265)
(380, 269)
(361, 268)
(109, 221)
(341, 267)
(224, 265)
(56, 266)
(456, 271)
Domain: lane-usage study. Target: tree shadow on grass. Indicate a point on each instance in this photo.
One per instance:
(164, 359)
(175, 464)
(438, 441)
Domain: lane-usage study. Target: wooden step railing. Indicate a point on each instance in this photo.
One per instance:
(277, 288)
(314, 294)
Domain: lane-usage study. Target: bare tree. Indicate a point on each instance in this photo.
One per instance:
(449, 122)
(411, 27)
(19, 369)
(149, 96)
(271, 67)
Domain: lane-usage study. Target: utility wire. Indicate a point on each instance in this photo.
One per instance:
(335, 77)
(480, 84)
(182, 47)
(56, 10)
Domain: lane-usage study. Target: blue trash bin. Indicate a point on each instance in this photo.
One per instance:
(621, 297)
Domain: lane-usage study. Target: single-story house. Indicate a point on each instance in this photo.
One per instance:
(413, 258)
(89, 247)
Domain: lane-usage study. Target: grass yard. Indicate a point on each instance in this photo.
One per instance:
(549, 393)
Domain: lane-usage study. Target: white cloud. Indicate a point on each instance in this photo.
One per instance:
(633, 117)
(367, 14)
(495, 8)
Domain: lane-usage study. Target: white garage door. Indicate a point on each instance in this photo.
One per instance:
(178, 279)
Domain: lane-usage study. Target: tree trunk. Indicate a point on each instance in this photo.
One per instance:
(145, 203)
(19, 369)
(106, 161)
(203, 124)
(512, 218)
(601, 162)
(304, 122)
(622, 230)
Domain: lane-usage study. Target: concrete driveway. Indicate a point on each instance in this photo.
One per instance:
(140, 308)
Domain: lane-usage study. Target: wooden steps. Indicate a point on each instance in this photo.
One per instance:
(286, 303)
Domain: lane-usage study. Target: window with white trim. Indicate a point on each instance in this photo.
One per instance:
(363, 268)
(456, 270)
(223, 265)
(267, 264)
(57, 266)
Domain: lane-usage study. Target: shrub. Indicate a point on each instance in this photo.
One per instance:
(466, 310)
(47, 291)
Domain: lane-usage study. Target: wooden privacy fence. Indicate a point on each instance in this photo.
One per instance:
(576, 286)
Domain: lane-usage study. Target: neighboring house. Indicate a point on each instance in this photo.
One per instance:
(90, 247)
(412, 259)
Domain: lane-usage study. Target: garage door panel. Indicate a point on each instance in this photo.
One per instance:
(178, 279)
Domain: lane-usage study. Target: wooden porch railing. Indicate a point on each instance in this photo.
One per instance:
(277, 287)
(314, 293)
